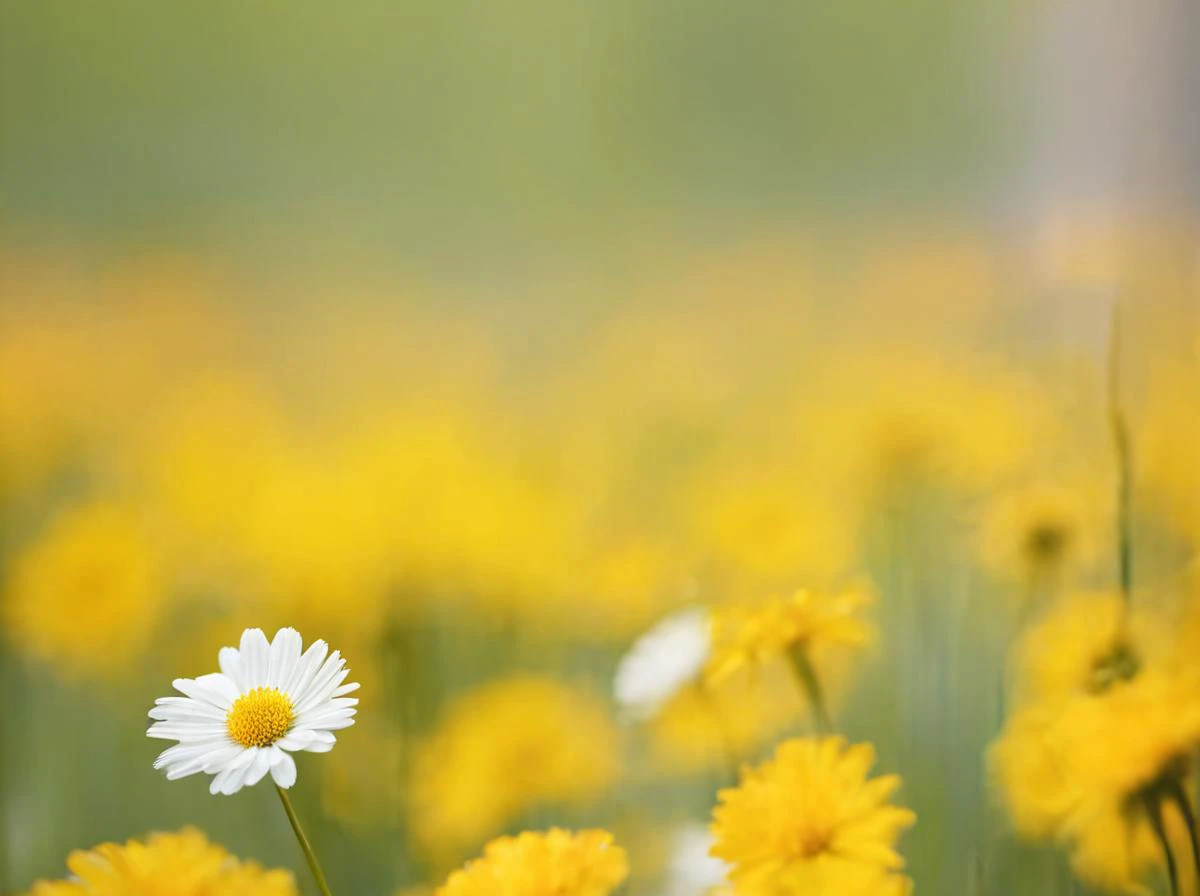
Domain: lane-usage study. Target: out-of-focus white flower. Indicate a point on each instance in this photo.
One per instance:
(663, 661)
(692, 871)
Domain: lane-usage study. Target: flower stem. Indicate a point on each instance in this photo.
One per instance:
(1153, 804)
(313, 865)
(1180, 798)
(810, 687)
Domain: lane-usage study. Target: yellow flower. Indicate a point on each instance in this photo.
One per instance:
(891, 417)
(1102, 740)
(182, 864)
(88, 593)
(1029, 778)
(809, 821)
(1122, 746)
(1081, 773)
(1044, 532)
(808, 620)
(556, 863)
(203, 456)
(1084, 643)
(761, 524)
(507, 747)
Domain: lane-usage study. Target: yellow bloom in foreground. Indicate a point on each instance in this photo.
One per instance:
(809, 822)
(1122, 747)
(1085, 773)
(808, 620)
(507, 747)
(556, 863)
(182, 864)
(88, 593)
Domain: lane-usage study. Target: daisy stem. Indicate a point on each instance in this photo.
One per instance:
(810, 687)
(1120, 432)
(313, 865)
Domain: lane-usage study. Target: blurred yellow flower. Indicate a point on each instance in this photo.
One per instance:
(511, 745)
(1084, 643)
(88, 593)
(182, 864)
(809, 822)
(1040, 535)
(762, 524)
(891, 418)
(753, 635)
(1090, 772)
(1028, 777)
(42, 387)
(316, 547)
(556, 863)
(203, 455)
(715, 726)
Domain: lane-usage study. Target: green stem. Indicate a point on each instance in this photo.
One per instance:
(1180, 797)
(1153, 805)
(313, 865)
(810, 687)
(1120, 433)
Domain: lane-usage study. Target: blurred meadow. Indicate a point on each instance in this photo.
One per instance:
(476, 340)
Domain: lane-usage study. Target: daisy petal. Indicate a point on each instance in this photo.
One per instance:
(255, 653)
(306, 670)
(284, 653)
(283, 768)
(230, 661)
(295, 740)
(258, 768)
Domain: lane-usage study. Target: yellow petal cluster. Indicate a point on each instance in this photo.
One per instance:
(1101, 742)
(554, 863)
(810, 822)
(180, 864)
(755, 634)
(1079, 774)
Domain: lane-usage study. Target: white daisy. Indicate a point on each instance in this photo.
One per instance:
(692, 870)
(267, 701)
(663, 661)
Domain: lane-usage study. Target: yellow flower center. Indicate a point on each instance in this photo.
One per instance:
(813, 841)
(1121, 663)
(1047, 542)
(260, 717)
